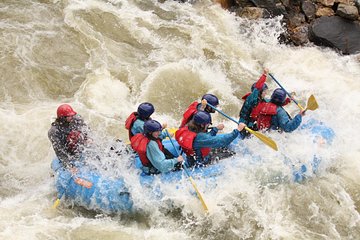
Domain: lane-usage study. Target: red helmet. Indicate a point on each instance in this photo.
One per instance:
(65, 110)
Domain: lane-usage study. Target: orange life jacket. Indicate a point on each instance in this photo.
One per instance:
(185, 138)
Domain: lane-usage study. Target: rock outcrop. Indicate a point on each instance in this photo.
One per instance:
(331, 23)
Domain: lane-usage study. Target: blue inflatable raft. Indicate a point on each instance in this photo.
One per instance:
(89, 189)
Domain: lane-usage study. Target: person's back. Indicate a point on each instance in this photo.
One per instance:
(272, 115)
(202, 106)
(258, 92)
(135, 121)
(197, 142)
(152, 153)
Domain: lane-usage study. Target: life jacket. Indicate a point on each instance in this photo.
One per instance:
(139, 143)
(73, 139)
(263, 113)
(189, 113)
(130, 122)
(185, 138)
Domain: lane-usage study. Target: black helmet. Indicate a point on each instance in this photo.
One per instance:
(202, 117)
(145, 110)
(278, 96)
(262, 89)
(151, 126)
(212, 99)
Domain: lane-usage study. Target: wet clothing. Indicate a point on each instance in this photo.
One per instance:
(152, 155)
(262, 114)
(283, 121)
(270, 116)
(209, 140)
(186, 138)
(68, 139)
(138, 127)
(251, 101)
(134, 124)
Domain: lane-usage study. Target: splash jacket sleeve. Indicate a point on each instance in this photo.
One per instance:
(284, 122)
(138, 127)
(207, 140)
(157, 158)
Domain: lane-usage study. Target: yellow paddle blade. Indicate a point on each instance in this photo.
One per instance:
(312, 103)
(199, 195)
(172, 130)
(268, 141)
(56, 203)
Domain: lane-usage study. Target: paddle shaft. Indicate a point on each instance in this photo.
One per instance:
(232, 119)
(177, 152)
(277, 82)
(190, 178)
(222, 113)
(57, 202)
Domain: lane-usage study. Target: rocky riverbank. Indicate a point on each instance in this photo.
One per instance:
(330, 23)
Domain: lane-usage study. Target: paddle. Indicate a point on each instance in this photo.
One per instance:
(57, 202)
(190, 178)
(268, 141)
(311, 104)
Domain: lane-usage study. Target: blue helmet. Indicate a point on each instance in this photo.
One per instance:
(278, 96)
(212, 99)
(145, 110)
(202, 117)
(151, 126)
(262, 89)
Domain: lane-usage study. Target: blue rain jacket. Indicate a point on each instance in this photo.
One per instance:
(212, 140)
(283, 121)
(158, 159)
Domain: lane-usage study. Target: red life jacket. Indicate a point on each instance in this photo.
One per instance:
(263, 113)
(185, 138)
(189, 113)
(139, 143)
(130, 122)
(73, 139)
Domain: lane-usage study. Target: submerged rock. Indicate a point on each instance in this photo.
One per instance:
(336, 32)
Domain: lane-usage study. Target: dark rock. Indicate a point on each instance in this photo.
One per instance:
(336, 32)
(309, 9)
(244, 3)
(286, 3)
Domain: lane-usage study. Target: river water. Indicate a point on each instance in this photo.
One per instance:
(106, 57)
